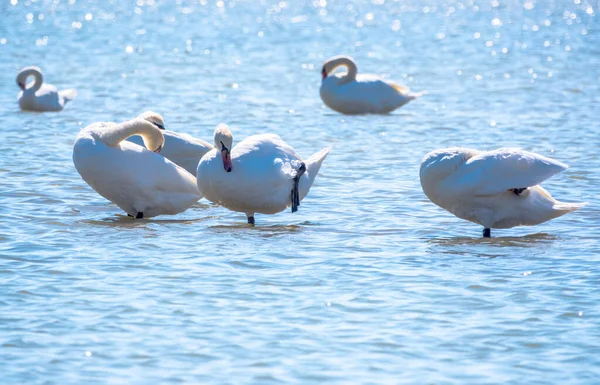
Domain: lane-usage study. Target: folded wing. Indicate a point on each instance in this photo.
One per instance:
(496, 171)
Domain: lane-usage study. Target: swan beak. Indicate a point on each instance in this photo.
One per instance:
(324, 74)
(158, 149)
(226, 159)
(21, 86)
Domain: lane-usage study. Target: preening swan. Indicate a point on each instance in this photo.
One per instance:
(350, 93)
(141, 182)
(40, 96)
(181, 149)
(261, 174)
(496, 189)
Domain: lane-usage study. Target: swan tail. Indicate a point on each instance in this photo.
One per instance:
(313, 165)
(68, 94)
(405, 91)
(562, 208)
(414, 95)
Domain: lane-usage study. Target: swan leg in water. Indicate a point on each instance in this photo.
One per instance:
(251, 220)
(487, 233)
(295, 194)
(518, 191)
(137, 216)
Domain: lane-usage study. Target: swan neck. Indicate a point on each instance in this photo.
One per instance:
(349, 64)
(36, 73)
(118, 133)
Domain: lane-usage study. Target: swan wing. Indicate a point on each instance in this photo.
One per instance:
(495, 172)
(136, 179)
(68, 94)
(366, 94)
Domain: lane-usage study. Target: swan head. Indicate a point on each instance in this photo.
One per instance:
(223, 143)
(154, 118)
(151, 134)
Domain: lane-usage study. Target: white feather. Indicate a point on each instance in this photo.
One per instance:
(477, 186)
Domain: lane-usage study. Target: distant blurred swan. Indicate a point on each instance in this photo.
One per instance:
(141, 182)
(181, 149)
(496, 189)
(262, 174)
(41, 96)
(350, 93)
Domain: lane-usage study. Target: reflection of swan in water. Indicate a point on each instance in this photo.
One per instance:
(125, 221)
(263, 231)
(496, 189)
(41, 96)
(529, 240)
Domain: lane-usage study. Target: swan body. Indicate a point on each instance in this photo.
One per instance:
(261, 174)
(139, 181)
(350, 93)
(40, 96)
(181, 149)
(496, 189)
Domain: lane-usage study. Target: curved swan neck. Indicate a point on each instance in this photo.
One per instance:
(26, 73)
(153, 138)
(345, 61)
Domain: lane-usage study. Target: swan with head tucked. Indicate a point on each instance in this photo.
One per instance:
(139, 181)
(261, 174)
(352, 93)
(40, 96)
(181, 149)
(496, 189)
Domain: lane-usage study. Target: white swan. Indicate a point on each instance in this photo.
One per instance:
(261, 174)
(141, 182)
(181, 149)
(496, 189)
(40, 96)
(350, 93)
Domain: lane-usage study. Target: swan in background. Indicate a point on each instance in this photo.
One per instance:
(261, 174)
(41, 96)
(496, 189)
(181, 149)
(141, 182)
(350, 93)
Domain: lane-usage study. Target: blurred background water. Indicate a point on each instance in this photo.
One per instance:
(369, 282)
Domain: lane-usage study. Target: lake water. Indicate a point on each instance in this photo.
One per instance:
(369, 282)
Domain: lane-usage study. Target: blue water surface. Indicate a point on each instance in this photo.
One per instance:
(369, 282)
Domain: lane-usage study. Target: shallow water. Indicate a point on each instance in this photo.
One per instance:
(369, 282)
